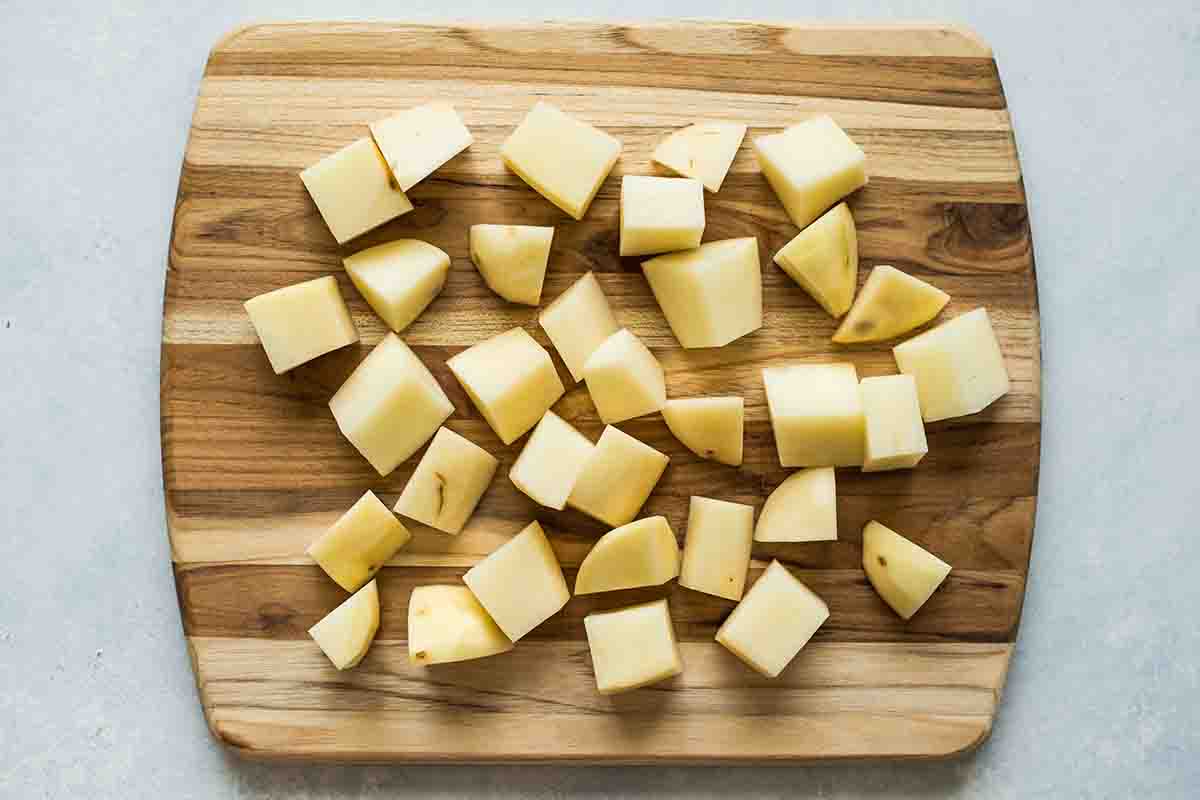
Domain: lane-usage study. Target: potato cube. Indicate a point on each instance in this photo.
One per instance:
(359, 543)
(345, 634)
(300, 322)
(823, 260)
(711, 427)
(660, 214)
(958, 366)
(801, 509)
(512, 259)
(903, 573)
(550, 462)
(817, 414)
(624, 378)
(564, 159)
(354, 191)
(895, 432)
(642, 553)
(710, 295)
(390, 405)
(617, 478)
(632, 647)
(447, 624)
(890, 304)
(399, 279)
(416, 142)
(510, 379)
(811, 166)
(703, 151)
(577, 322)
(716, 552)
(448, 482)
(773, 622)
(520, 584)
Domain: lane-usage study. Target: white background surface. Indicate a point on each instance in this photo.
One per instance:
(96, 693)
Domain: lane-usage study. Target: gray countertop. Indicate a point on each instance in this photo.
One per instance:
(96, 692)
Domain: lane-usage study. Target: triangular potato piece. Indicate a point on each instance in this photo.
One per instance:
(823, 259)
(703, 151)
(890, 304)
(642, 553)
(711, 427)
(512, 259)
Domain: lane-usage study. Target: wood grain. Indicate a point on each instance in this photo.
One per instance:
(254, 467)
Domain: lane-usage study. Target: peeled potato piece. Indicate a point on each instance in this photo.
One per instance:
(345, 634)
(904, 574)
(703, 151)
(890, 304)
(642, 553)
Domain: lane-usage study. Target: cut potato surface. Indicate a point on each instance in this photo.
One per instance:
(716, 552)
(632, 647)
(801, 509)
(447, 624)
(345, 634)
(577, 322)
(512, 259)
(703, 151)
(448, 482)
(416, 142)
(390, 405)
(550, 462)
(711, 427)
(904, 574)
(895, 432)
(890, 304)
(642, 553)
(562, 158)
(300, 322)
(617, 478)
(660, 214)
(511, 380)
(823, 260)
(816, 413)
(624, 378)
(958, 366)
(773, 622)
(520, 583)
(354, 191)
(710, 295)
(359, 543)
(811, 166)
(399, 279)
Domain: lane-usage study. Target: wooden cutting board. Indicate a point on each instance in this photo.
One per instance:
(255, 468)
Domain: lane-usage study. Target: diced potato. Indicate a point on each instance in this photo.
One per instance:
(520, 583)
(716, 552)
(642, 553)
(577, 322)
(904, 574)
(958, 366)
(564, 159)
(624, 378)
(823, 259)
(703, 151)
(890, 304)
(417, 141)
(711, 427)
(512, 259)
(632, 647)
(390, 405)
(510, 379)
(811, 166)
(817, 414)
(399, 279)
(895, 432)
(773, 622)
(447, 624)
(660, 214)
(345, 634)
(801, 509)
(359, 543)
(710, 295)
(617, 478)
(550, 462)
(448, 482)
(300, 322)
(354, 191)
